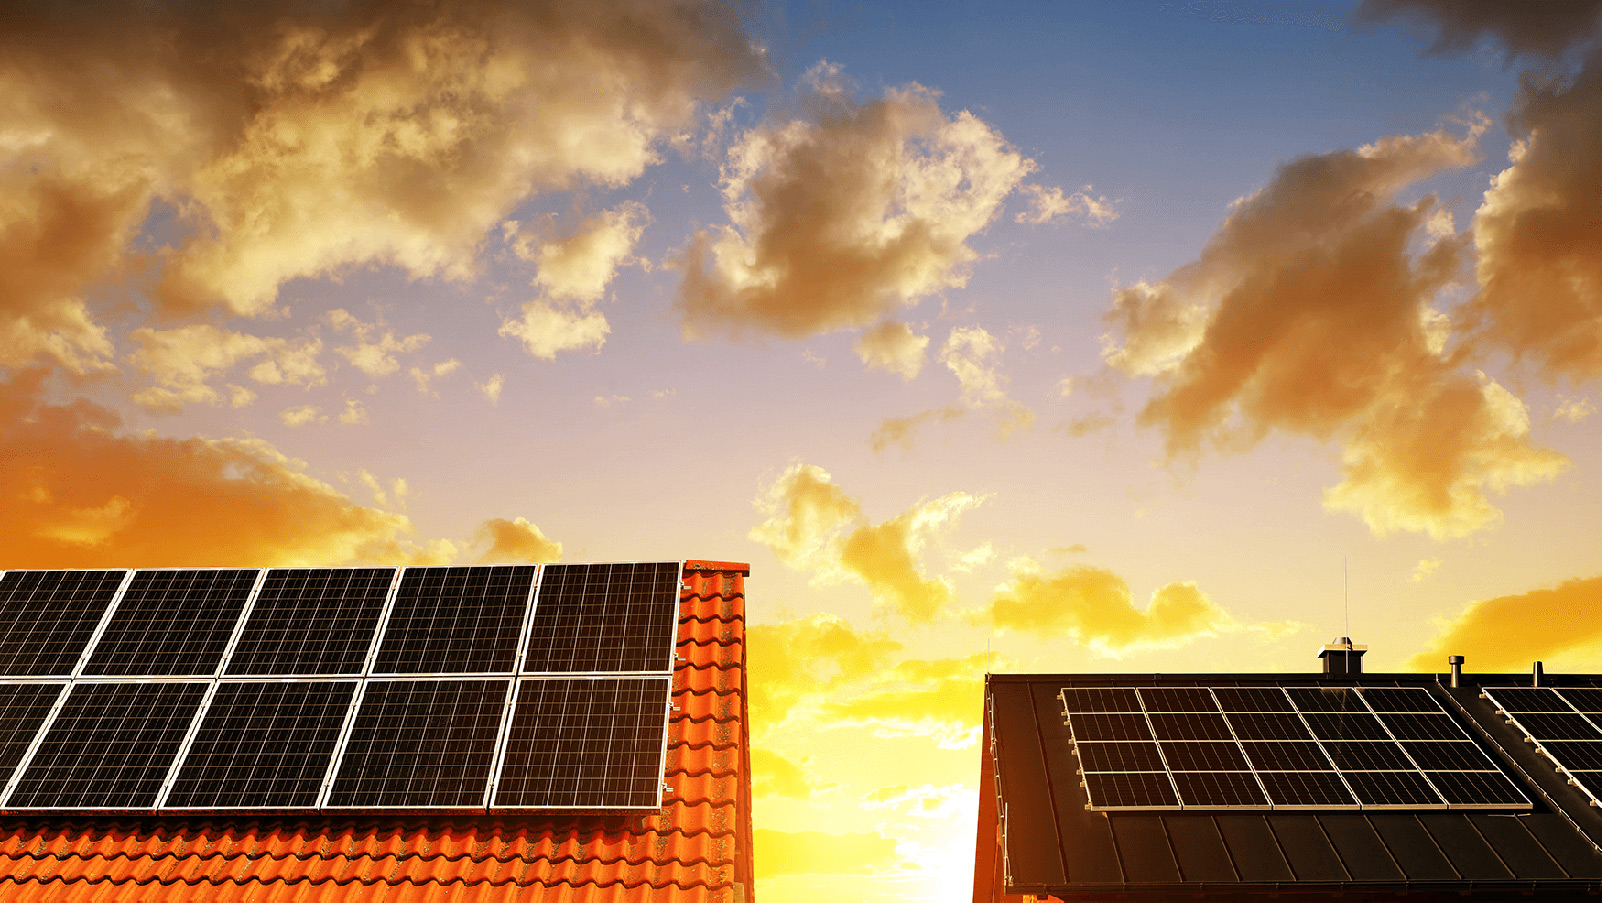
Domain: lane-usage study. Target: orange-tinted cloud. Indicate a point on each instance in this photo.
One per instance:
(1543, 29)
(774, 775)
(819, 853)
(1539, 227)
(1310, 312)
(807, 527)
(516, 540)
(793, 661)
(845, 214)
(892, 346)
(298, 140)
(1095, 607)
(937, 698)
(903, 430)
(1507, 633)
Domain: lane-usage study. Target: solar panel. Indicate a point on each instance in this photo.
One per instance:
(1545, 726)
(263, 746)
(1119, 757)
(1284, 756)
(1219, 789)
(309, 621)
(47, 618)
(110, 747)
(421, 744)
(1252, 699)
(1309, 789)
(172, 622)
(1578, 755)
(23, 709)
(1392, 788)
(456, 620)
(586, 743)
(1269, 726)
(1297, 747)
(1567, 737)
(1108, 726)
(1529, 699)
(1208, 756)
(605, 618)
(1099, 699)
(1130, 790)
(1586, 699)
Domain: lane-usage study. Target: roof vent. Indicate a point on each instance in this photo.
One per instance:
(1341, 657)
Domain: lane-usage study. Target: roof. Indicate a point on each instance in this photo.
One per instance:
(1037, 837)
(696, 848)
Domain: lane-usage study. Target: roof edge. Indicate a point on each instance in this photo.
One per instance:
(706, 564)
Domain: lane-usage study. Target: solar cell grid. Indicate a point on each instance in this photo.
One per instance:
(1400, 699)
(1576, 755)
(1189, 726)
(585, 743)
(1108, 726)
(172, 622)
(1367, 756)
(1392, 788)
(1269, 726)
(1130, 790)
(312, 621)
(263, 746)
(1420, 726)
(1469, 788)
(1203, 756)
(1119, 757)
(1326, 699)
(1586, 699)
(1252, 699)
(1333, 726)
(456, 620)
(1100, 699)
(1544, 726)
(23, 708)
(1320, 789)
(110, 747)
(1282, 756)
(1462, 755)
(1177, 699)
(48, 617)
(1222, 789)
(1528, 699)
(420, 744)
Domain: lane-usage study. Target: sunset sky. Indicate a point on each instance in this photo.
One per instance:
(1042, 336)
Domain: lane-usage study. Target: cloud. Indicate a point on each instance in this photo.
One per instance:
(579, 266)
(302, 415)
(1538, 228)
(1508, 632)
(374, 346)
(547, 331)
(355, 413)
(972, 355)
(937, 698)
(1425, 569)
(1311, 311)
(184, 362)
(846, 213)
(516, 540)
(492, 387)
(903, 430)
(772, 775)
(1048, 205)
(84, 493)
(301, 141)
(807, 527)
(1095, 607)
(1574, 410)
(894, 347)
(1539, 29)
(424, 377)
(793, 661)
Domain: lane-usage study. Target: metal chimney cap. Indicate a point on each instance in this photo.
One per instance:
(1454, 659)
(1341, 644)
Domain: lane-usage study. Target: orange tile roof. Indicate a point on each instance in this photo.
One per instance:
(696, 848)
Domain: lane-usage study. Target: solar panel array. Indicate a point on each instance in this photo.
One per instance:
(511, 687)
(1278, 748)
(1565, 724)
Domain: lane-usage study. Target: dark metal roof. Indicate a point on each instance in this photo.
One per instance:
(1036, 835)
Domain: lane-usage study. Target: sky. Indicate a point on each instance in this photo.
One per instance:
(1020, 336)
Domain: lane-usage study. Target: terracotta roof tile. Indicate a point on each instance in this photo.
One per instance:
(696, 848)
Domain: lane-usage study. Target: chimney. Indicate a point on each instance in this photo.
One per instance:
(1535, 678)
(1456, 661)
(1341, 658)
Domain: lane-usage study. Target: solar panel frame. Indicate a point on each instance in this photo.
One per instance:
(76, 662)
(1526, 707)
